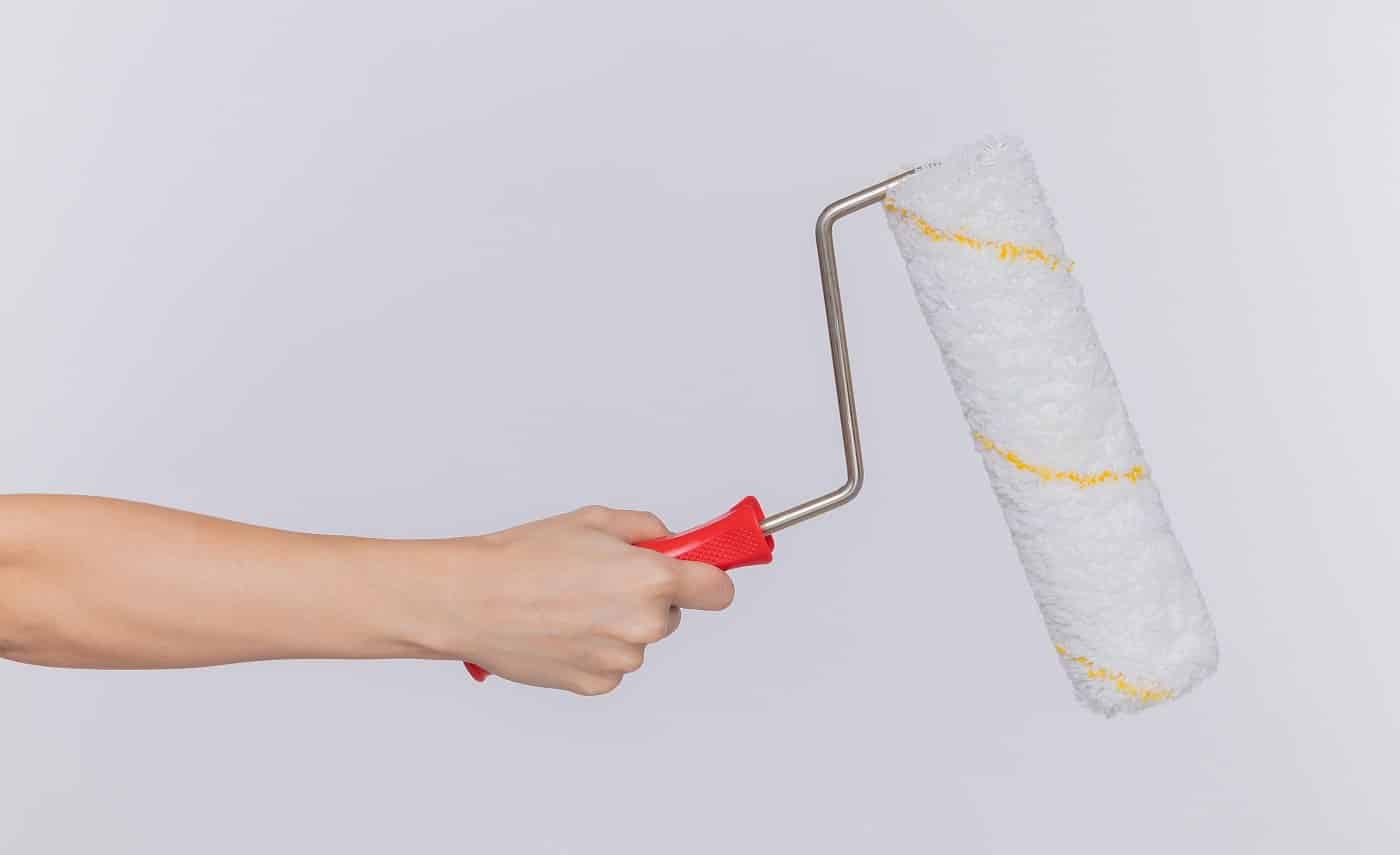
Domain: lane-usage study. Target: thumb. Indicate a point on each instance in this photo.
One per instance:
(631, 526)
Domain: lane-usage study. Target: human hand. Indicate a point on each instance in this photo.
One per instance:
(568, 602)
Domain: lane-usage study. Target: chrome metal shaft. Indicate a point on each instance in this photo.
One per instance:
(840, 359)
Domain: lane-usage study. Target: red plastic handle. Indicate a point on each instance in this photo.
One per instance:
(735, 539)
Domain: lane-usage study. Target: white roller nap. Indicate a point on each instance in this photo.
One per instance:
(1123, 610)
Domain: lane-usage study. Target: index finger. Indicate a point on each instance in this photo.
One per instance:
(701, 586)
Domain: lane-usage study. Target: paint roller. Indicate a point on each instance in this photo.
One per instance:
(1123, 610)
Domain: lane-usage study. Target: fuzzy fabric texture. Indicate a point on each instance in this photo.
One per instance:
(1123, 610)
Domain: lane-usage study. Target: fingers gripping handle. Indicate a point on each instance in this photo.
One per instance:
(735, 539)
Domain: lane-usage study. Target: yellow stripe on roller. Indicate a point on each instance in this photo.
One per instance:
(1006, 250)
(1093, 672)
(1083, 479)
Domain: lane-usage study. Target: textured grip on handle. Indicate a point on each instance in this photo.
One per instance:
(735, 539)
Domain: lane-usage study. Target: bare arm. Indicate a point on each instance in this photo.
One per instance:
(566, 602)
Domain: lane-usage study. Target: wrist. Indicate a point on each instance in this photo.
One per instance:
(431, 595)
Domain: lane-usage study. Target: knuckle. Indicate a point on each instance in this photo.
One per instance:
(658, 577)
(593, 513)
(582, 686)
(631, 660)
(594, 685)
(650, 628)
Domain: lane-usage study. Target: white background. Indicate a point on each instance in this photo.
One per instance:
(426, 269)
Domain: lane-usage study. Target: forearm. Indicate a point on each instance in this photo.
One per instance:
(565, 601)
(87, 582)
